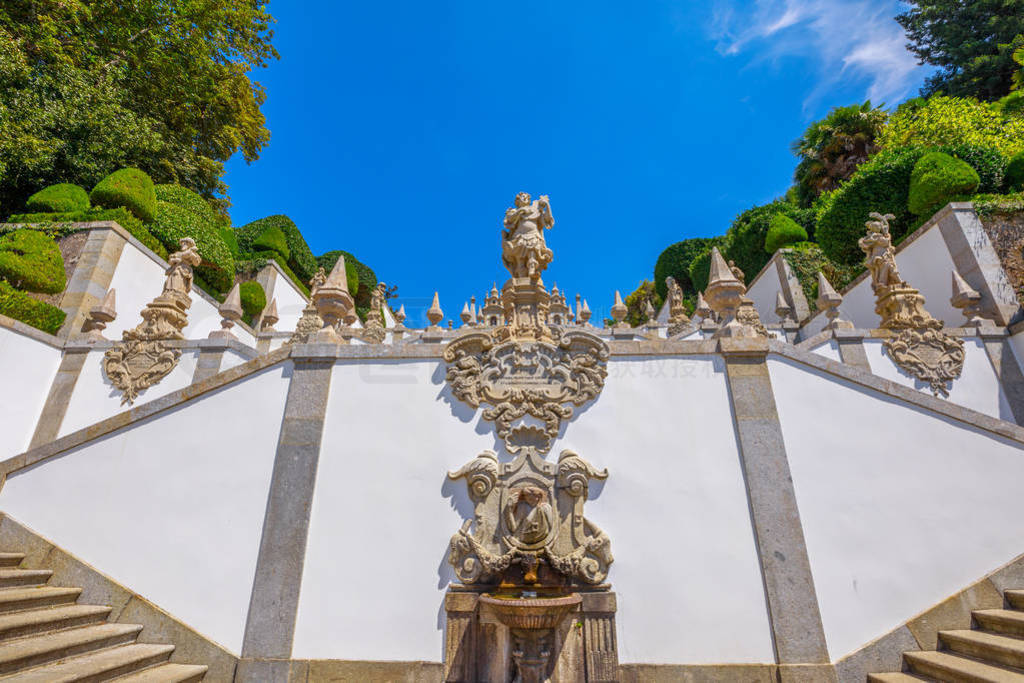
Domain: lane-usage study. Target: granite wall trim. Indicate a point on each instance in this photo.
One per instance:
(57, 400)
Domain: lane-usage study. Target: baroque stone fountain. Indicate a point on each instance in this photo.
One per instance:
(531, 604)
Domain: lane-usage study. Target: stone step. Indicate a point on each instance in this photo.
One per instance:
(22, 653)
(11, 578)
(14, 599)
(1015, 598)
(167, 673)
(11, 559)
(898, 677)
(19, 624)
(1008, 621)
(953, 668)
(990, 647)
(104, 665)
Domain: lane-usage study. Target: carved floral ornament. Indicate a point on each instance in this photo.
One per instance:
(919, 346)
(528, 517)
(526, 367)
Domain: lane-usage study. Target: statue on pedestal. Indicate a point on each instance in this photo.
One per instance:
(523, 250)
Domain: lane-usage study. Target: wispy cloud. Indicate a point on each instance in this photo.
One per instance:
(847, 39)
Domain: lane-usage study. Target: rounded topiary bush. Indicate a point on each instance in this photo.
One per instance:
(59, 198)
(31, 260)
(130, 188)
(301, 259)
(675, 262)
(1015, 173)
(172, 222)
(254, 299)
(748, 232)
(782, 232)
(938, 178)
(273, 239)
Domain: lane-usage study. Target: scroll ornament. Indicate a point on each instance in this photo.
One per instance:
(143, 357)
(919, 346)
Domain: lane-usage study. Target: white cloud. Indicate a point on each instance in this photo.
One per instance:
(848, 39)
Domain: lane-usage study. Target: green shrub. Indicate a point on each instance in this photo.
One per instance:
(60, 198)
(121, 216)
(273, 239)
(21, 306)
(943, 120)
(748, 232)
(938, 178)
(300, 259)
(1015, 173)
(675, 261)
(254, 299)
(253, 262)
(806, 259)
(130, 188)
(189, 200)
(172, 222)
(227, 233)
(700, 266)
(366, 279)
(31, 260)
(783, 231)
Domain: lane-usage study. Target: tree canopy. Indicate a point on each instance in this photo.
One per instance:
(971, 41)
(90, 86)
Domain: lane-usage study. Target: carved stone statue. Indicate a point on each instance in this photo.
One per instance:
(881, 256)
(374, 330)
(677, 318)
(143, 358)
(523, 249)
(319, 278)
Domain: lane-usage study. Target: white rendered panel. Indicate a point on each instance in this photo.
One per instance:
(28, 367)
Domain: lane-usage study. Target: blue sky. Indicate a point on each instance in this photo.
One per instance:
(402, 131)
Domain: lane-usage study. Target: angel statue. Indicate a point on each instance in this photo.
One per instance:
(523, 250)
(881, 256)
(181, 263)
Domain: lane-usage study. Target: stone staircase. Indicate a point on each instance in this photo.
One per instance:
(990, 652)
(46, 636)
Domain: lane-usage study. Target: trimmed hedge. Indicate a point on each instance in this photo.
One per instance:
(254, 299)
(21, 306)
(227, 234)
(273, 239)
(748, 232)
(189, 200)
(783, 231)
(366, 279)
(675, 261)
(883, 184)
(300, 259)
(1015, 173)
(250, 263)
(56, 224)
(59, 198)
(174, 222)
(938, 178)
(31, 260)
(130, 188)
(700, 266)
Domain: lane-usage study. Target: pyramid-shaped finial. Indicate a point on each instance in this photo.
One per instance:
(400, 316)
(583, 312)
(719, 271)
(967, 299)
(269, 317)
(619, 309)
(829, 300)
(702, 310)
(434, 313)
(100, 315)
(782, 307)
(231, 312)
(338, 279)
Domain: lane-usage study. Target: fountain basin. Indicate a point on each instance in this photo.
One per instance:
(531, 613)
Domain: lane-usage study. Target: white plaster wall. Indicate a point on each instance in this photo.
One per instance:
(383, 506)
(94, 398)
(171, 507)
(1017, 344)
(926, 264)
(28, 368)
(231, 359)
(290, 302)
(830, 350)
(139, 279)
(763, 291)
(977, 388)
(900, 507)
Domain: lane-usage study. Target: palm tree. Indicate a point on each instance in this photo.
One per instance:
(831, 149)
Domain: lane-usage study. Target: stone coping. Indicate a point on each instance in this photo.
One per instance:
(952, 207)
(983, 332)
(82, 345)
(662, 347)
(31, 332)
(116, 227)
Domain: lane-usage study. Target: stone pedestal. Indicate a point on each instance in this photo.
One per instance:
(478, 647)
